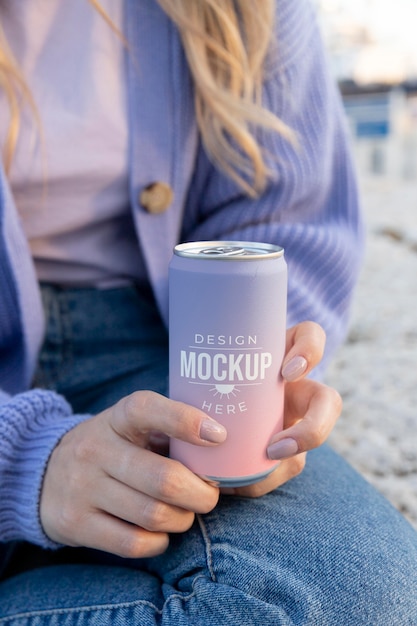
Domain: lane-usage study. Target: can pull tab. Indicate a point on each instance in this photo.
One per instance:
(223, 250)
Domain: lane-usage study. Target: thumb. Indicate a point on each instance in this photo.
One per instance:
(138, 415)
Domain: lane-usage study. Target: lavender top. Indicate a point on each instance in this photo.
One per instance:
(79, 225)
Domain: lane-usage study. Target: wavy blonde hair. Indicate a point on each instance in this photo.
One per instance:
(226, 43)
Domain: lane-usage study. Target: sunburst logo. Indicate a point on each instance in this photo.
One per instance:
(225, 391)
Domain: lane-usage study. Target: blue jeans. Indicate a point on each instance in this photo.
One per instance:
(325, 549)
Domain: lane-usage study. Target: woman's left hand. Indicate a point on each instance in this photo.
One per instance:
(311, 410)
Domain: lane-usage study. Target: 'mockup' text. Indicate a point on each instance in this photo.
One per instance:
(243, 367)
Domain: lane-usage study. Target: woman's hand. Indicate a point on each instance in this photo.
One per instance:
(311, 410)
(105, 488)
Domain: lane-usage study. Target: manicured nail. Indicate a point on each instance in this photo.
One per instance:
(294, 368)
(282, 449)
(212, 431)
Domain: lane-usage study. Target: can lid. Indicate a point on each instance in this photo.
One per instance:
(224, 250)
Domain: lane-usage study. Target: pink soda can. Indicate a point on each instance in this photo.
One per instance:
(227, 323)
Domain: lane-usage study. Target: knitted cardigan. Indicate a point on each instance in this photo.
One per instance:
(310, 208)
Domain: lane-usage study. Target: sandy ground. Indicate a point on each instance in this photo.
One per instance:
(376, 369)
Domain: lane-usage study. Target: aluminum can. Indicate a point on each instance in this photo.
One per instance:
(227, 323)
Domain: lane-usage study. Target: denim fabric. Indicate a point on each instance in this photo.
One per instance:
(325, 549)
(101, 345)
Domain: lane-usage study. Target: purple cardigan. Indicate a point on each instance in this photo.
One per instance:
(310, 208)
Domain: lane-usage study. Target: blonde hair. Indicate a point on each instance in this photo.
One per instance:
(14, 86)
(226, 43)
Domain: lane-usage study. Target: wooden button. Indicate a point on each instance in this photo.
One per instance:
(156, 197)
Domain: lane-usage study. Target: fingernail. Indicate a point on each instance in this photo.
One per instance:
(294, 368)
(282, 449)
(212, 431)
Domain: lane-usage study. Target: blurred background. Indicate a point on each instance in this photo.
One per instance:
(372, 47)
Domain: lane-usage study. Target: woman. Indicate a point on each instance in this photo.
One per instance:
(166, 122)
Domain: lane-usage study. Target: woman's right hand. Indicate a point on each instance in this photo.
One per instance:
(105, 489)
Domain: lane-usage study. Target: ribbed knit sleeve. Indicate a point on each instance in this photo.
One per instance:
(31, 425)
(311, 206)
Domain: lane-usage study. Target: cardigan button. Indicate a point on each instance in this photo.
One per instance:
(156, 197)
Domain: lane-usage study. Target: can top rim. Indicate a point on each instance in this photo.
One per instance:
(228, 250)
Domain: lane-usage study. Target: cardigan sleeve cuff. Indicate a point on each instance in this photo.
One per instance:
(3, 396)
(31, 425)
